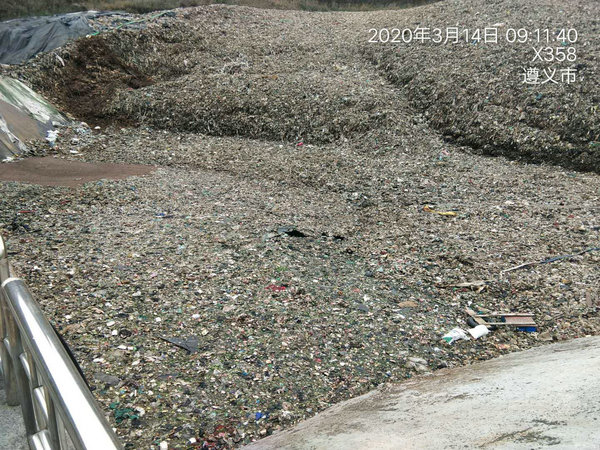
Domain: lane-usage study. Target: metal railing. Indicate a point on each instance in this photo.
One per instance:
(59, 410)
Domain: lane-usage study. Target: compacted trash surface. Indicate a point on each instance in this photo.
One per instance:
(322, 210)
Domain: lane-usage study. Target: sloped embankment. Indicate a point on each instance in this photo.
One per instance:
(24, 116)
(276, 75)
(474, 92)
(293, 76)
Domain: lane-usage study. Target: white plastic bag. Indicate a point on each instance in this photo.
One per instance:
(478, 331)
(455, 334)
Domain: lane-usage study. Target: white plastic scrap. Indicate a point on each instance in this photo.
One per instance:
(455, 334)
(51, 137)
(478, 331)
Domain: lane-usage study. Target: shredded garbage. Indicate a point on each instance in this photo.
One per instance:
(308, 273)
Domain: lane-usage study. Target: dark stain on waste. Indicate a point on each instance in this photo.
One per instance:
(94, 72)
(291, 231)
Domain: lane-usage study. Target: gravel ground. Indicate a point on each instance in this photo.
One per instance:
(289, 244)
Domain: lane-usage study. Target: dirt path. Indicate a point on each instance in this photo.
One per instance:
(51, 171)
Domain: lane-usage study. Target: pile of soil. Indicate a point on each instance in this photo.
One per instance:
(92, 74)
(62, 172)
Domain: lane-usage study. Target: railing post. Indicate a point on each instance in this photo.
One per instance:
(4, 267)
(58, 409)
(6, 345)
(84, 421)
(23, 382)
(10, 382)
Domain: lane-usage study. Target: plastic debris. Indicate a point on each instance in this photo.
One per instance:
(478, 331)
(455, 334)
(275, 288)
(430, 209)
(190, 343)
(291, 231)
(551, 260)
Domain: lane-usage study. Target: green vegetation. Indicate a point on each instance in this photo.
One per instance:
(21, 8)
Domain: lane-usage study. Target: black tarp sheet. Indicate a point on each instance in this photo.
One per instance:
(21, 39)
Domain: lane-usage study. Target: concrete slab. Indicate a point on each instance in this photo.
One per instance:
(544, 397)
(12, 430)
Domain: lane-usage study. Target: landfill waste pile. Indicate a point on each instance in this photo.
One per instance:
(317, 78)
(323, 212)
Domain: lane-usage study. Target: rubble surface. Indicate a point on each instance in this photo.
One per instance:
(286, 254)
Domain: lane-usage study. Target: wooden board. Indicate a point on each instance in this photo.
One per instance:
(510, 319)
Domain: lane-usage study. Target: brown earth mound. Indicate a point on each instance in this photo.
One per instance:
(93, 73)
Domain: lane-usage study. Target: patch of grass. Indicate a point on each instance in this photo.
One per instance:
(21, 8)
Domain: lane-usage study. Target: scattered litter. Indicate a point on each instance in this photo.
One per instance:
(478, 331)
(408, 304)
(51, 136)
(455, 334)
(430, 209)
(122, 414)
(551, 260)
(480, 285)
(524, 320)
(527, 329)
(110, 380)
(190, 343)
(291, 231)
(275, 288)
(362, 307)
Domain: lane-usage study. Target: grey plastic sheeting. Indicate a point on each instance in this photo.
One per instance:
(21, 39)
(24, 116)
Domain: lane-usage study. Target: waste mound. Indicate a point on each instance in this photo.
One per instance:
(316, 79)
(501, 87)
(199, 73)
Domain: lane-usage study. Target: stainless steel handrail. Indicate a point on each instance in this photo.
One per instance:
(58, 409)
